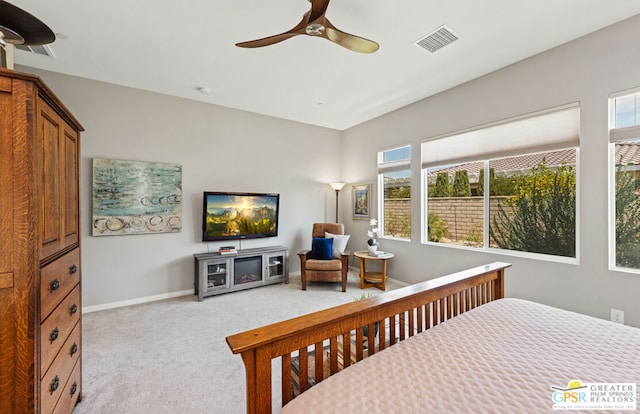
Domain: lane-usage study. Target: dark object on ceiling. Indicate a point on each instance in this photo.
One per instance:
(314, 23)
(21, 28)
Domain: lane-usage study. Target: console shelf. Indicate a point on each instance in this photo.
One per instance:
(216, 274)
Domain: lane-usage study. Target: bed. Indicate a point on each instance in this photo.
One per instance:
(451, 344)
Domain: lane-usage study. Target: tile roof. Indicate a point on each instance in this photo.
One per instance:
(627, 153)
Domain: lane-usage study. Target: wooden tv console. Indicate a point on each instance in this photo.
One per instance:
(216, 273)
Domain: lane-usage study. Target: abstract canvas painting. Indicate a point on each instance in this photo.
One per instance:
(134, 197)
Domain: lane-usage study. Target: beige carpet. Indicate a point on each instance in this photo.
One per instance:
(171, 356)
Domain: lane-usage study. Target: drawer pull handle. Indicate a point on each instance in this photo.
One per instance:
(54, 335)
(54, 385)
(74, 349)
(73, 269)
(73, 310)
(55, 285)
(74, 388)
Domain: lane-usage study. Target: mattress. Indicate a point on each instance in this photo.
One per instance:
(502, 357)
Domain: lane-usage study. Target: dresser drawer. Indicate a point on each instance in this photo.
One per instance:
(57, 327)
(71, 392)
(54, 382)
(56, 281)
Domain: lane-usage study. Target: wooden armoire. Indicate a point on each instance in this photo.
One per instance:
(40, 290)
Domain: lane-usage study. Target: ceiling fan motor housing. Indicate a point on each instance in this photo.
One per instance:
(315, 29)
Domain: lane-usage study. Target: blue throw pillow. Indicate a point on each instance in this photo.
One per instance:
(321, 248)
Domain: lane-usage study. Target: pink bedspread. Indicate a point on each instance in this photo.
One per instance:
(502, 357)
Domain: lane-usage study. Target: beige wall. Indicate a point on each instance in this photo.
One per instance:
(220, 149)
(586, 70)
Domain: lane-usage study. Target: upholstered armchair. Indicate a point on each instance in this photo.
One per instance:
(332, 269)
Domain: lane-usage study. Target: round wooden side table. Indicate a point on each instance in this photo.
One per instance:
(375, 279)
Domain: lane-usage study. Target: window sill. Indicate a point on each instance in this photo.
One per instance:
(513, 253)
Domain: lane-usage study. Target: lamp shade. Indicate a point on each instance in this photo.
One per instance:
(337, 186)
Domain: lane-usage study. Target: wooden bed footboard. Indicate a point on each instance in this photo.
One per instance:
(333, 339)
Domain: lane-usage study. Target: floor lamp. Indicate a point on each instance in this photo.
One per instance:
(337, 187)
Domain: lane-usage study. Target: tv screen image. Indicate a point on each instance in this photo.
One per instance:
(229, 216)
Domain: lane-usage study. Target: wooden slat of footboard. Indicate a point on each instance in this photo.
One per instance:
(371, 339)
(456, 303)
(412, 323)
(287, 387)
(392, 329)
(319, 362)
(303, 377)
(333, 356)
(346, 349)
(359, 345)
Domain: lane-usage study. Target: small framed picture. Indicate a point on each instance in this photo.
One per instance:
(361, 196)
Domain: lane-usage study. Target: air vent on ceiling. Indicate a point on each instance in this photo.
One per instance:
(43, 50)
(438, 39)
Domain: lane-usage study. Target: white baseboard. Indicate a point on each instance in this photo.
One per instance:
(398, 282)
(146, 299)
(137, 301)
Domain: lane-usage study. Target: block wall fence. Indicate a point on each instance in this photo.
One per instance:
(463, 215)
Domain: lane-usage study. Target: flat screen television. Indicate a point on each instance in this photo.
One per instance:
(230, 216)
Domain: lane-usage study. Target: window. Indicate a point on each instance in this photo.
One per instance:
(626, 110)
(624, 136)
(508, 186)
(394, 192)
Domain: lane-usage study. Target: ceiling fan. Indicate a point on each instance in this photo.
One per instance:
(17, 27)
(315, 23)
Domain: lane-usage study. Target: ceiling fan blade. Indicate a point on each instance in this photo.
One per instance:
(318, 9)
(270, 40)
(349, 41)
(266, 41)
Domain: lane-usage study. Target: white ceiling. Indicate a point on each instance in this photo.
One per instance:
(174, 47)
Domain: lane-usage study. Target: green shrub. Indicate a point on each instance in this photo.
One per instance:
(399, 192)
(506, 185)
(436, 228)
(474, 236)
(492, 176)
(442, 185)
(461, 187)
(627, 220)
(541, 217)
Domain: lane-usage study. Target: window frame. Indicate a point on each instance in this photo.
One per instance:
(387, 167)
(486, 199)
(617, 135)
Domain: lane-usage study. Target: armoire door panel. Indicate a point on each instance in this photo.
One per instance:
(6, 183)
(70, 181)
(49, 131)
